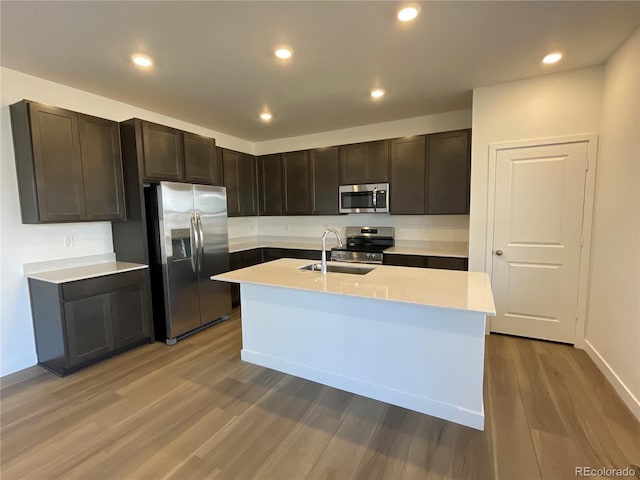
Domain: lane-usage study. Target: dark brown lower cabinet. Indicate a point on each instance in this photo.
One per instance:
(78, 323)
(276, 253)
(245, 258)
(130, 320)
(89, 328)
(421, 261)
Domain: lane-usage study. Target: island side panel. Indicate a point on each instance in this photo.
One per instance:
(426, 359)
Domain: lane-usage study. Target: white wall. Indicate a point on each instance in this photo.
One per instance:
(613, 311)
(378, 131)
(20, 243)
(549, 106)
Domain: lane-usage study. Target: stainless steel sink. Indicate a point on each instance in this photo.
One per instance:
(317, 267)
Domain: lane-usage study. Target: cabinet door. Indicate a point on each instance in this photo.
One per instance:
(408, 175)
(325, 180)
(130, 315)
(101, 168)
(269, 254)
(163, 152)
(247, 184)
(199, 158)
(57, 164)
(297, 183)
(364, 163)
(251, 257)
(218, 170)
(376, 165)
(352, 159)
(230, 160)
(448, 173)
(270, 184)
(89, 328)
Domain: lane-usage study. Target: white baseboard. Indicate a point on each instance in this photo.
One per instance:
(428, 406)
(627, 396)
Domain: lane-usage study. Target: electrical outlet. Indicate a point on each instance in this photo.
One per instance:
(68, 241)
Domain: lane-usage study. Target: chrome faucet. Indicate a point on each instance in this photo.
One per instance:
(324, 247)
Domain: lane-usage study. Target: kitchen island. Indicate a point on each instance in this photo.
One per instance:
(411, 337)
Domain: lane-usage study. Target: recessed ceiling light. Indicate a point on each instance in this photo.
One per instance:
(283, 53)
(377, 92)
(142, 60)
(266, 116)
(407, 14)
(552, 58)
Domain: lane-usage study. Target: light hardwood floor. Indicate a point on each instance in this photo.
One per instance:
(196, 411)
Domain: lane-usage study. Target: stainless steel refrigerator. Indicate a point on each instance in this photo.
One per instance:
(188, 243)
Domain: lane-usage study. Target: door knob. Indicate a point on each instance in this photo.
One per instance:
(499, 252)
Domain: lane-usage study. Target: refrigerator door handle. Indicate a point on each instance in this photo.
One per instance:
(194, 239)
(201, 240)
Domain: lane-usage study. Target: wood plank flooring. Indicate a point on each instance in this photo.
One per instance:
(195, 411)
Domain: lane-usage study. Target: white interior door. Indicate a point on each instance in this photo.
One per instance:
(537, 237)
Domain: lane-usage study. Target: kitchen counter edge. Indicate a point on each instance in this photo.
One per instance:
(84, 272)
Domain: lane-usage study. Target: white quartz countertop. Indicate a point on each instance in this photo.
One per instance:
(64, 275)
(457, 290)
(426, 248)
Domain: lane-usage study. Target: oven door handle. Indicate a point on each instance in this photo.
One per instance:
(375, 198)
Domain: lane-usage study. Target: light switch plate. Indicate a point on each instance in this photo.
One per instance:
(68, 241)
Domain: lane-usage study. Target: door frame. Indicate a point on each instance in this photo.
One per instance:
(591, 139)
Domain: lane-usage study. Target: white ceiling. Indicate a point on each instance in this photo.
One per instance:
(215, 65)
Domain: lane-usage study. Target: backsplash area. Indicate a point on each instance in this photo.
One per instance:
(452, 228)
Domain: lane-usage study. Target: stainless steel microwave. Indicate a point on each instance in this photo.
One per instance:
(366, 198)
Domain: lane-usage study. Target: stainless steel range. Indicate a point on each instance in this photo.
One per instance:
(364, 245)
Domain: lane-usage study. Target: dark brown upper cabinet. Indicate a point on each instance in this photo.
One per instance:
(240, 179)
(325, 180)
(296, 174)
(270, 184)
(174, 155)
(407, 182)
(68, 165)
(364, 163)
(163, 152)
(201, 164)
(101, 168)
(448, 173)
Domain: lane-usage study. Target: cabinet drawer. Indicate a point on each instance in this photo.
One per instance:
(405, 260)
(306, 254)
(447, 263)
(103, 284)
